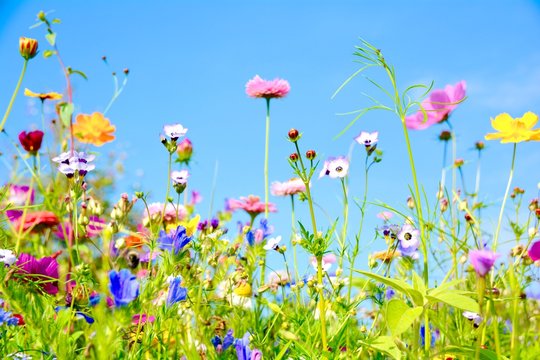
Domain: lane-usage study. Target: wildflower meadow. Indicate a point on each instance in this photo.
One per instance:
(91, 267)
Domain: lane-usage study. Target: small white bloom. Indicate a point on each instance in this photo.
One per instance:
(335, 168)
(180, 177)
(367, 139)
(7, 257)
(174, 131)
(272, 243)
(409, 237)
(476, 318)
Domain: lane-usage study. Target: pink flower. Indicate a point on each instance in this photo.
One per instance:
(437, 106)
(36, 221)
(290, 187)
(93, 229)
(385, 215)
(18, 196)
(156, 210)
(482, 261)
(327, 261)
(268, 89)
(251, 204)
(534, 251)
(142, 319)
(43, 271)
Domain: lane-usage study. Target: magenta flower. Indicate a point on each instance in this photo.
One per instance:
(251, 204)
(534, 251)
(43, 271)
(482, 261)
(437, 106)
(290, 187)
(18, 196)
(268, 89)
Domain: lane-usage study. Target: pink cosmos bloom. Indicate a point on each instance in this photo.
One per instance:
(268, 89)
(142, 319)
(93, 229)
(482, 261)
(44, 271)
(156, 209)
(534, 251)
(290, 187)
(195, 198)
(437, 106)
(251, 204)
(385, 215)
(18, 196)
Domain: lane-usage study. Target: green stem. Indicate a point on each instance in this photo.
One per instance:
(293, 235)
(499, 222)
(168, 187)
(481, 290)
(15, 92)
(267, 141)
(345, 221)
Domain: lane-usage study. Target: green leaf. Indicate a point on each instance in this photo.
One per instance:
(444, 287)
(469, 352)
(400, 317)
(51, 38)
(455, 299)
(56, 21)
(398, 285)
(384, 344)
(48, 53)
(78, 72)
(418, 283)
(66, 111)
(275, 308)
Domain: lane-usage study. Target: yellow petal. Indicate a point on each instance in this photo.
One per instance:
(529, 119)
(493, 136)
(30, 93)
(502, 122)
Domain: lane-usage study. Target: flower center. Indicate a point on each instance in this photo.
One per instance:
(407, 236)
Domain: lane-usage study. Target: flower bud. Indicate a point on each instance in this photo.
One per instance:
(459, 163)
(293, 157)
(479, 145)
(410, 202)
(28, 47)
(469, 218)
(184, 150)
(311, 154)
(444, 205)
(294, 135)
(445, 135)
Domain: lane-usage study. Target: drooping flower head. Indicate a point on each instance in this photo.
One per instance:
(482, 261)
(514, 130)
(31, 141)
(123, 286)
(287, 188)
(93, 129)
(251, 204)
(437, 107)
(175, 240)
(43, 96)
(268, 89)
(335, 167)
(43, 271)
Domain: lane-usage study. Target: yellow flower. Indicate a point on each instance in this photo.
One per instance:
(516, 130)
(43, 96)
(243, 290)
(190, 225)
(93, 129)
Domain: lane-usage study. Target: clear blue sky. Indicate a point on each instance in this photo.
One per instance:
(189, 63)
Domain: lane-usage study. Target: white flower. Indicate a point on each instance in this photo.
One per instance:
(272, 244)
(174, 131)
(180, 177)
(476, 318)
(367, 139)
(327, 261)
(7, 257)
(335, 168)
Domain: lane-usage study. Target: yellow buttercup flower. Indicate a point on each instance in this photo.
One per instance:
(43, 96)
(190, 225)
(93, 129)
(516, 130)
(243, 290)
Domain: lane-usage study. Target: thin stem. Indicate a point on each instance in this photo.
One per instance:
(499, 222)
(345, 221)
(168, 186)
(293, 235)
(15, 92)
(267, 141)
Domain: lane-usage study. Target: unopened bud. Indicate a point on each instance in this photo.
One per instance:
(459, 163)
(294, 135)
(184, 150)
(311, 154)
(410, 202)
(479, 145)
(28, 47)
(293, 157)
(445, 135)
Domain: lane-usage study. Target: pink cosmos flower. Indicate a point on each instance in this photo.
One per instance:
(251, 204)
(482, 261)
(268, 89)
(385, 215)
(534, 251)
(327, 261)
(18, 196)
(437, 106)
(142, 319)
(156, 209)
(36, 221)
(290, 187)
(93, 229)
(44, 271)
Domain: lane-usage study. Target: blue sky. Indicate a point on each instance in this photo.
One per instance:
(189, 63)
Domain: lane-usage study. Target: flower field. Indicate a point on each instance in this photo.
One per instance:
(86, 274)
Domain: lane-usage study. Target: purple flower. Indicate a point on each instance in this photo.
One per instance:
(74, 162)
(482, 261)
(43, 271)
(176, 292)
(243, 351)
(123, 286)
(174, 240)
(534, 251)
(7, 318)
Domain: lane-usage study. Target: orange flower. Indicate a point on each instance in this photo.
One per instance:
(43, 96)
(386, 256)
(93, 129)
(134, 241)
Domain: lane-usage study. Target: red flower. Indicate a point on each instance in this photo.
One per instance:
(31, 141)
(37, 220)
